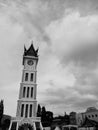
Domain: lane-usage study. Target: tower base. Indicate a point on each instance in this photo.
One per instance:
(18, 123)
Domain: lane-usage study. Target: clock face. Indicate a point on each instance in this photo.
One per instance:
(30, 62)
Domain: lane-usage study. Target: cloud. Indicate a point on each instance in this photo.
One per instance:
(68, 99)
(75, 44)
(74, 37)
(66, 32)
(33, 16)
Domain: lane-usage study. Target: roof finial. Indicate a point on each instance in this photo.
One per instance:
(37, 50)
(25, 49)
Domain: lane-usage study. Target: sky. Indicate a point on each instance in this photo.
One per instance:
(66, 32)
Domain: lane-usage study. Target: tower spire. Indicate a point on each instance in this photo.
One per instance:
(25, 49)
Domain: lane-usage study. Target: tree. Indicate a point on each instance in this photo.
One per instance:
(1, 110)
(43, 114)
(66, 119)
(6, 124)
(39, 111)
(46, 117)
(43, 109)
(49, 116)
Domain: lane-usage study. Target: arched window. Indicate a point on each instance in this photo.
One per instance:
(24, 91)
(26, 110)
(26, 77)
(22, 110)
(31, 92)
(32, 75)
(28, 91)
(30, 110)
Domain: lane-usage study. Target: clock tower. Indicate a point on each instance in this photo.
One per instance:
(27, 103)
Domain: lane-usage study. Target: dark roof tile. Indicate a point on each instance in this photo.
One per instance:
(31, 51)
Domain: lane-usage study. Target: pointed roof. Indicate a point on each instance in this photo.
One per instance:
(31, 51)
(25, 49)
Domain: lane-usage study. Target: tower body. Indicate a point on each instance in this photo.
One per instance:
(27, 103)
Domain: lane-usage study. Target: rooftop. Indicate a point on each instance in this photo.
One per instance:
(31, 51)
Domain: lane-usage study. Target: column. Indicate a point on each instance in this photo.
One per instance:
(26, 93)
(28, 110)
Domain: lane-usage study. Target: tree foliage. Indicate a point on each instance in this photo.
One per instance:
(46, 116)
(1, 110)
(43, 110)
(6, 124)
(39, 111)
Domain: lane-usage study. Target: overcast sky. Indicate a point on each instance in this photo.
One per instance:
(66, 32)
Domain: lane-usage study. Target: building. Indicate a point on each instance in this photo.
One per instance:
(60, 121)
(91, 113)
(79, 119)
(27, 104)
(89, 124)
(72, 118)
